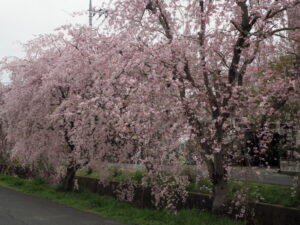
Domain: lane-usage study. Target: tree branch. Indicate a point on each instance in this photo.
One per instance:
(153, 6)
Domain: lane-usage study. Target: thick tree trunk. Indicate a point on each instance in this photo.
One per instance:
(67, 183)
(89, 170)
(219, 192)
(218, 176)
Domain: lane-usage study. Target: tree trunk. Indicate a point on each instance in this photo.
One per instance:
(218, 176)
(89, 170)
(219, 192)
(68, 181)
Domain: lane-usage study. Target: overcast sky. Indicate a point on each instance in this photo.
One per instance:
(22, 20)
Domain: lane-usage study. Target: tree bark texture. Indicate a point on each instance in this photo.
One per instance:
(68, 181)
(218, 176)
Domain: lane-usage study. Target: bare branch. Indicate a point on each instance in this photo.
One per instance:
(271, 13)
(237, 27)
(212, 98)
(246, 63)
(222, 58)
(282, 29)
(153, 6)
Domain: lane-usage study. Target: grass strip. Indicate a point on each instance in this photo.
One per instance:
(253, 191)
(110, 208)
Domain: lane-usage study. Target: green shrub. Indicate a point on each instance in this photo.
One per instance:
(188, 172)
(114, 171)
(138, 176)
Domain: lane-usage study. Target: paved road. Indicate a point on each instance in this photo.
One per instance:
(21, 209)
(261, 175)
(255, 174)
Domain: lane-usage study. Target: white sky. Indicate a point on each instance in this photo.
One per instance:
(22, 20)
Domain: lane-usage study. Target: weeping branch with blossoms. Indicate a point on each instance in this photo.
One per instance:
(194, 66)
(155, 73)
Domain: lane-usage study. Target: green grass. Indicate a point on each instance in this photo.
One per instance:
(84, 173)
(269, 193)
(110, 208)
(266, 193)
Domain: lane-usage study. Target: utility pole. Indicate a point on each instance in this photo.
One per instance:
(294, 35)
(91, 14)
